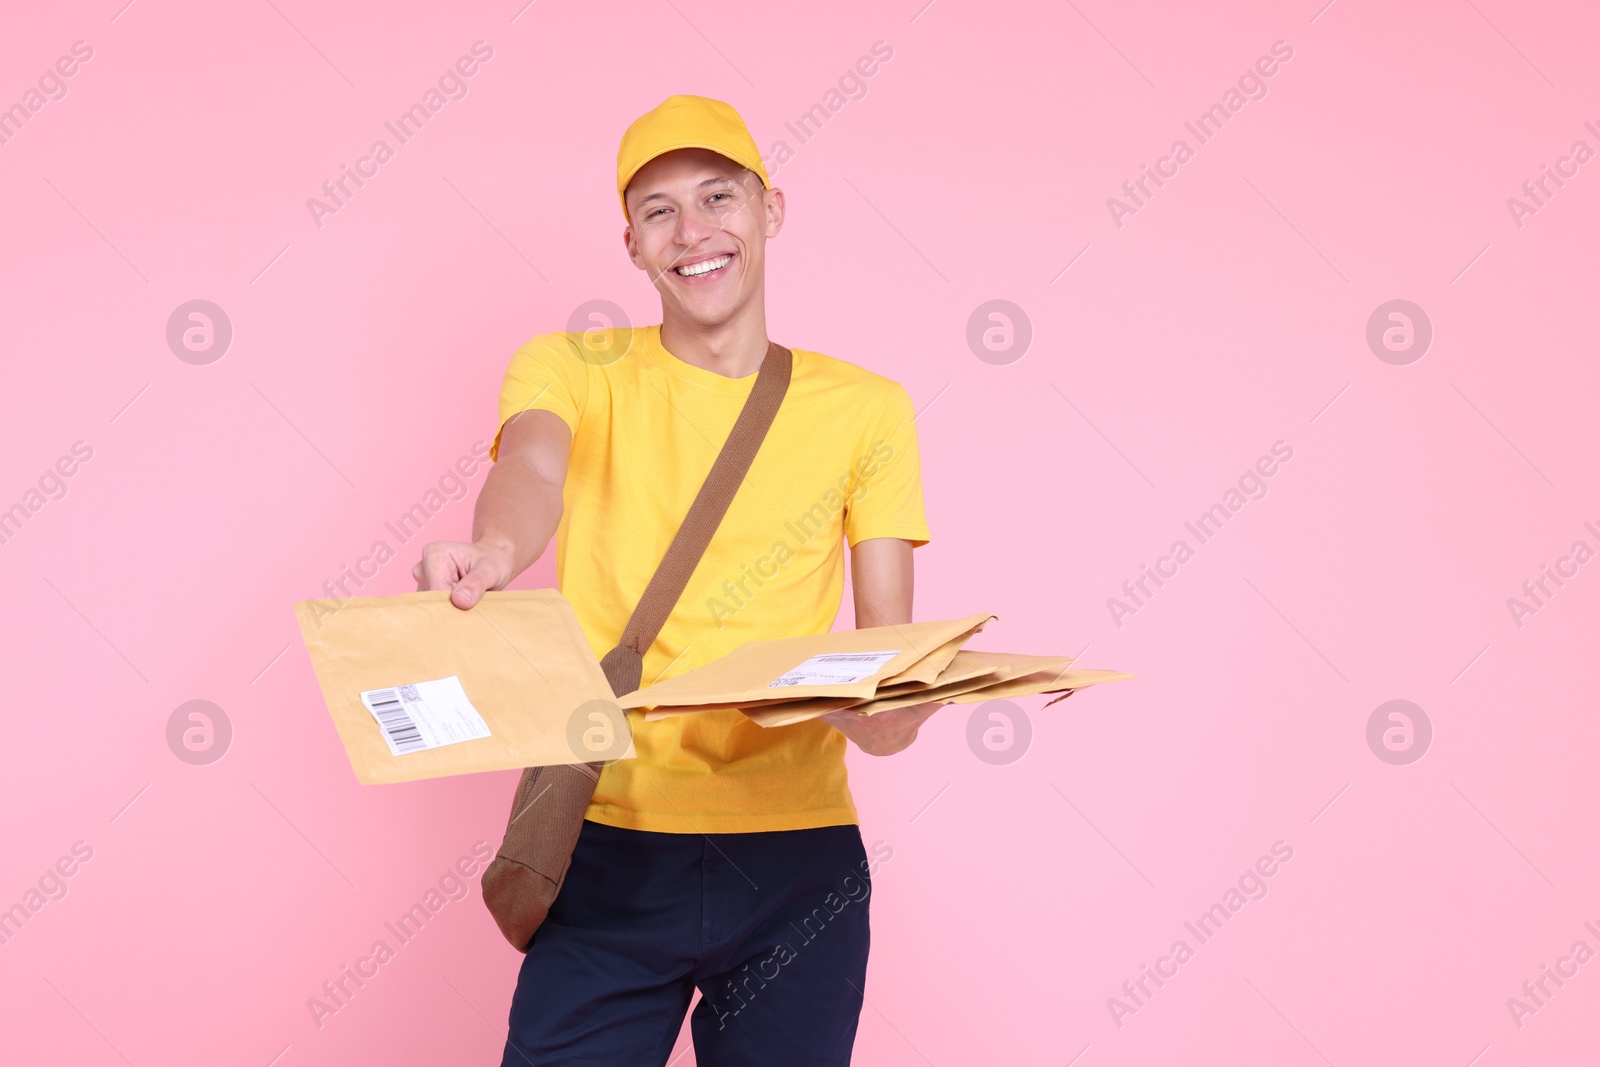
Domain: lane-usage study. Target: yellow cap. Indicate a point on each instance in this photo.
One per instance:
(685, 122)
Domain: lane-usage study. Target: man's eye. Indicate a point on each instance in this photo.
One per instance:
(653, 214)
(715, 195)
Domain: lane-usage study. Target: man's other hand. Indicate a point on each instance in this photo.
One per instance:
(466, 569)
(886, 732)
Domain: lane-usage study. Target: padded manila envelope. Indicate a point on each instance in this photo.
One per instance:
(419, 688)
(839, 663)
(961, 667)
(931, 666)
(1070, 683)
(1006, 682)
(1053, 680)
(996, 667)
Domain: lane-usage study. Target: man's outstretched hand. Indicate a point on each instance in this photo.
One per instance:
(885, 733)
(466, 569)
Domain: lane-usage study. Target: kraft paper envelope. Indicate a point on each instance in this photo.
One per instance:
(1053, 680)
(787, 667)
(963, 666)
(1114, 677)
(960, 669)
(667, 711)
(520, 658)
(929, 667)
(994, 667)
(993, 687)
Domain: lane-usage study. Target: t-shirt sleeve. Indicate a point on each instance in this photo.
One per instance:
(548, 374)
(887, 501)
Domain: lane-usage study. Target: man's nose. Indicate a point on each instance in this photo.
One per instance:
(694, 226)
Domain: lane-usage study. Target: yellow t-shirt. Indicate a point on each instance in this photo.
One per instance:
(839, 464)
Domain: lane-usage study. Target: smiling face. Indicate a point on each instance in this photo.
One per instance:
(699, 227)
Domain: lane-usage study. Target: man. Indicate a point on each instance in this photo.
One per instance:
(726, 856)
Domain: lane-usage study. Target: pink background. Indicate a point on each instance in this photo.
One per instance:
(1227, 314)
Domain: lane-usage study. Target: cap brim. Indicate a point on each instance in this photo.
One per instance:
(765, 183)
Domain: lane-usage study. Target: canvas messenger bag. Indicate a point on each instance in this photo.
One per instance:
(547, 812)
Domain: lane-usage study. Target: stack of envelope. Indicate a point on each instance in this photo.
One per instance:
(792, 679)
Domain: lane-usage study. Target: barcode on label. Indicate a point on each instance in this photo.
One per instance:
(396, 721)
(849, 657)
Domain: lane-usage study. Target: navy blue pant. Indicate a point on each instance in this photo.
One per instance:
(771, 927)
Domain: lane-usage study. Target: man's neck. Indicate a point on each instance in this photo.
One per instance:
(734, 350)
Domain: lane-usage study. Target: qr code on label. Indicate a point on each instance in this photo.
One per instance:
(409, 692)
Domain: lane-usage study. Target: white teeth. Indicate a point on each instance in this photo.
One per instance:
(704, 267)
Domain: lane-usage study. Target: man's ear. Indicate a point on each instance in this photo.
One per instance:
(774, 211)
(629, 245)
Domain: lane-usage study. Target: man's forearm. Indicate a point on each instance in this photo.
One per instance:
(517, 511)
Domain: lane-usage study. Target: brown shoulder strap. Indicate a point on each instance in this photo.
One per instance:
(624, 664)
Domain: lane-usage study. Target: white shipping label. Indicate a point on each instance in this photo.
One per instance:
(836, 668)
(425, 715)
